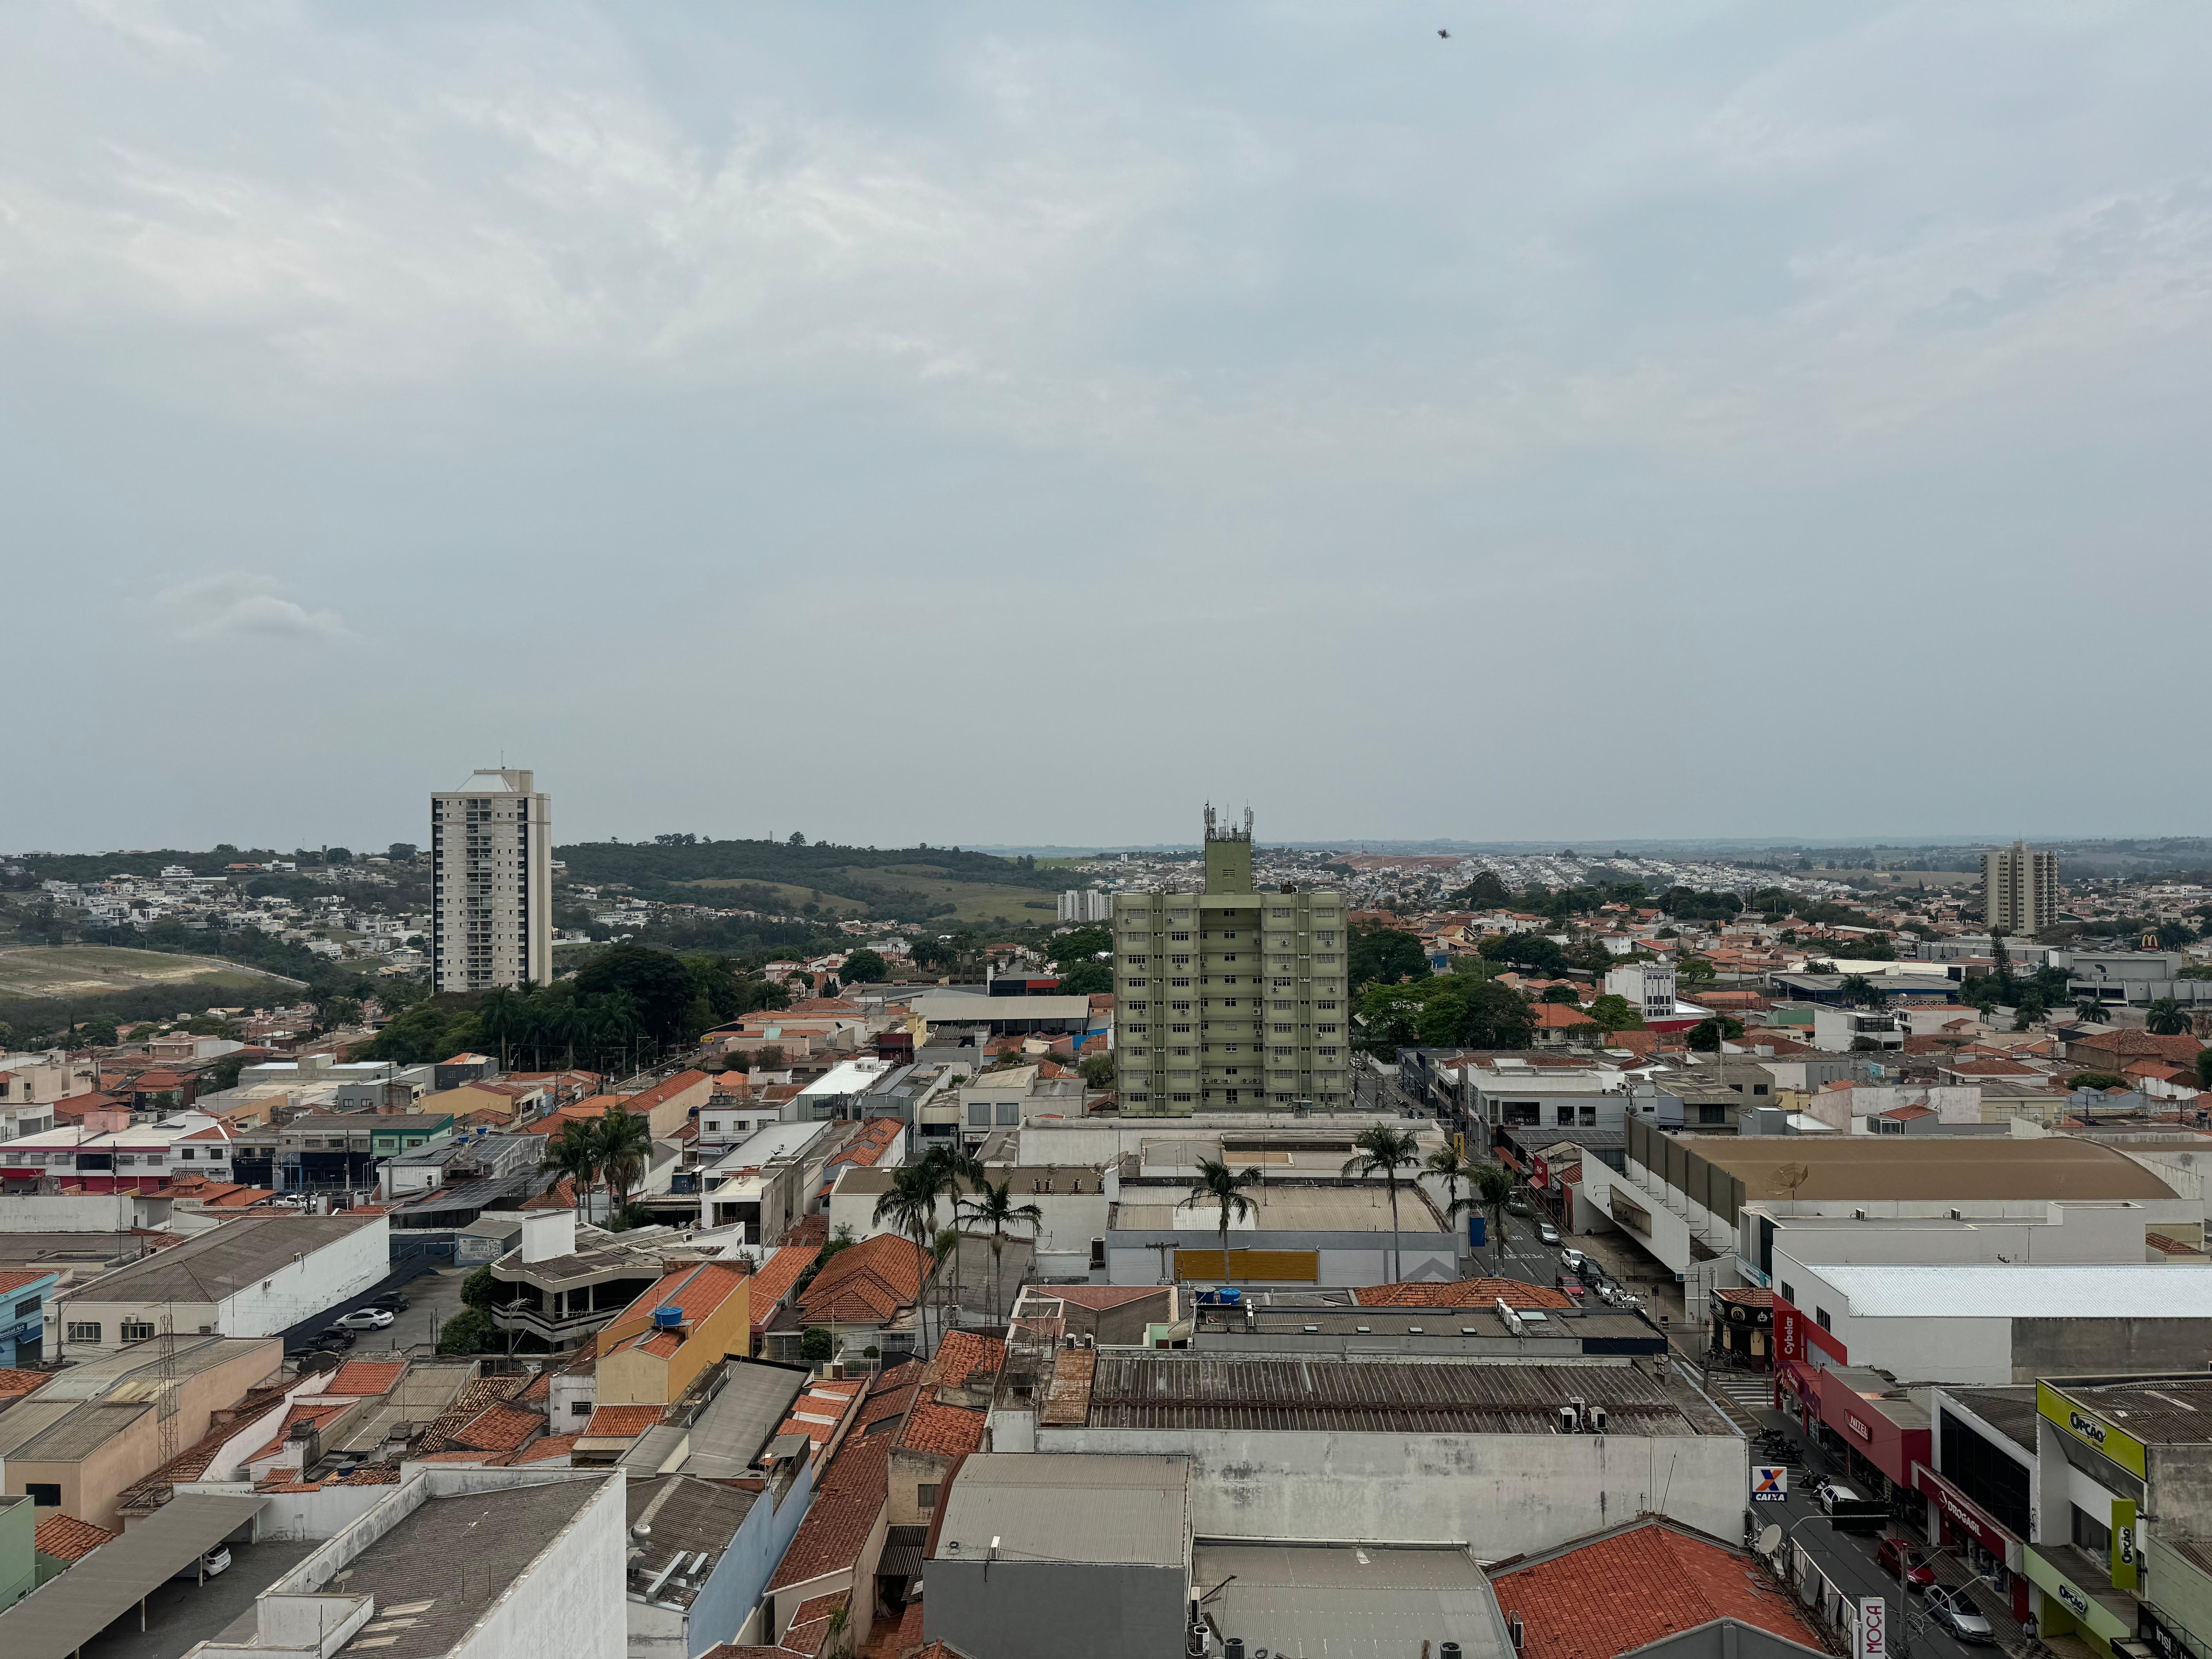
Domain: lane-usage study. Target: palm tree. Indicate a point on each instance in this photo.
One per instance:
(2166, 1017)
(575, 1153)
(625, 1141)
(1493, 1185)
(1382, 1148)
(1448, 1165)
(1217, 1184)
(2090, 1011)
(955, 1165)
(910, 1206)
(992, 1210)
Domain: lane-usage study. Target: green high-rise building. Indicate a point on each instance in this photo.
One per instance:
(1229, 999)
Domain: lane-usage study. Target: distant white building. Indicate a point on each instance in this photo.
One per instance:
(491, 912)
(1648, 987)
(1081, 904)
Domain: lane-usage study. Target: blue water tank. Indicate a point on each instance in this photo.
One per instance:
(667, 1319)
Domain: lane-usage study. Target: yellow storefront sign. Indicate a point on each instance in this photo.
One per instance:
(2092, 1428)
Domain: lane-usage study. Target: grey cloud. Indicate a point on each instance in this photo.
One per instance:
(235, 606)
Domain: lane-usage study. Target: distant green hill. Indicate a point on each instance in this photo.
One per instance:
(903, 882)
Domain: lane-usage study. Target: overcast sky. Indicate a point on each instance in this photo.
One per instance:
(1019, 424)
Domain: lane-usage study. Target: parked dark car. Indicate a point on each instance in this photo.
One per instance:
(334, 1336)
(391, 1301)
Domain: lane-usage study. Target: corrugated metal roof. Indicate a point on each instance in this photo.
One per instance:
(1046, 1506)
(1349, 1602)
(1169, 1391)
(62, 1615)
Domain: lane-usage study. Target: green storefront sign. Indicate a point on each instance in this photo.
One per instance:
(2089, 1612)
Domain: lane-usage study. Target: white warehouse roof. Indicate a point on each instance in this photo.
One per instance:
(1987, 1290)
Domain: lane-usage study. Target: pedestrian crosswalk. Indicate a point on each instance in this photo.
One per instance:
(1752, 1393)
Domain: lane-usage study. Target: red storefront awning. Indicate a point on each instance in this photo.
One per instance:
(1968, 1514)
(1893, 1444)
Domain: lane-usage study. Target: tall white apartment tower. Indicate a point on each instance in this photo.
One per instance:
(2019, 889)
(491, 865)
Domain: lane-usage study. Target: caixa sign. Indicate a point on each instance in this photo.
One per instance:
(2087, 1427)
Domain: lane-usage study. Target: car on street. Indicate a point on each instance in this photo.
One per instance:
(205, 1566)
(392, 1300)
(1955, 1610)
(1900, 1558)
(1572, 1259)
(1517, 1202)
(1834, 1493)
(334, 1336)
(366, 1319)
(1547, 1233)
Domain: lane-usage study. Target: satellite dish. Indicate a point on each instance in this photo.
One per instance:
(1770, 1540)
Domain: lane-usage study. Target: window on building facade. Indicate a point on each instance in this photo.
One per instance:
(84, 1330)
(136, 1330)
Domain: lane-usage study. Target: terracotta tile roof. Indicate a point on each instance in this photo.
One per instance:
(540, 1389)
(503, 1428)
(1624, 1592)
(2167, 1246)
(15, 1381)
(848, 1503)
(776, 1276)
(807, 1230)
(816, 1412)
(16, 1280)
(1743, 1296)
(962, 1356)
(294, 1416)
(696, 1288)
(552, 1446)
(1101, 1297)
(2180, 1049)
(881, 1407)
(867, 1283)
(904, 1375)
(69, 1538)
(621, 1422)
(1559, 1017)
(895, 1638)
(640, 1105)
(484, 1458)
(371, 1475)
(810, 1626)
(1462, 1293)
(659, 1343)
(364, 1376)
(946, 1431)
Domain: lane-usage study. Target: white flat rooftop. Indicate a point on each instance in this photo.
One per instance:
(1988, 1290)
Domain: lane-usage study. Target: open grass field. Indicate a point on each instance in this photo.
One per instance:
(789, 897)
(91, 970)
(1932, 879)
(978, 903)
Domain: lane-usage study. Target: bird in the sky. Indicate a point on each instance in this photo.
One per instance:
(1443, 34)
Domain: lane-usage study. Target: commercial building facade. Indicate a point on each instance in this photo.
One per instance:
(491, 874)
(1229, 999)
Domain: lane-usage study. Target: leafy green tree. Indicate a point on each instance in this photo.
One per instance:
(468, 1332)
(1497, 1017)
(1384, 956)
(2172, 935)
(428, 1032)
(1707, 1034)
(768, 1057)
(1219, 1186)
(1857, 991)
(1695, 971)
(1389, 1150)
(1485, 892)
(1096, 1070)
(1082, 945)
(1086, 979)
(865, 967)
(2204, 1068)
(1611, 1012)
(2097, 1080)
(816, 1344)
(2166, 1017)
(1441, 1021)
(401, 852)
(480, 1289)
(658, 983)
(2090, 1011)
(1531, 952)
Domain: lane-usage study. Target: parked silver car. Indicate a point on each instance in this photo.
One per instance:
(1955, 1610)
